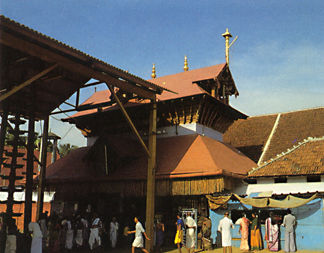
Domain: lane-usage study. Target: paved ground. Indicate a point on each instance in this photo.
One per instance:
(235, 250)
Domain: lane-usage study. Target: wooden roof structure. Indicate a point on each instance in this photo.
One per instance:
(38, 73)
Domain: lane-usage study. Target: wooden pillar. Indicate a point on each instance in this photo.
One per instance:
(3, 132)
(42, 174)
(150, 195)
(29, 173)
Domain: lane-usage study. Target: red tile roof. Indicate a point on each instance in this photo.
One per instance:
(251, 135)
(177, 157)
(306, 158)
(181, 83)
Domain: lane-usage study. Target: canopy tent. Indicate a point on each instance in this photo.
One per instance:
(289, 202)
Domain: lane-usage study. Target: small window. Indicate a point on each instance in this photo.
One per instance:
(280, 180)
(314, 178)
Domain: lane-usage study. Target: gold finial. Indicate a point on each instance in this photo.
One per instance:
(153, 75)
(227, 36)
(185, 67)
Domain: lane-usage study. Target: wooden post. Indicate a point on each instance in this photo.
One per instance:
(150, 195)
(42, 174)
(3, 131)
(29, 173)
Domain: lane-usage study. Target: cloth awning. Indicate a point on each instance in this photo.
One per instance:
(289, 202)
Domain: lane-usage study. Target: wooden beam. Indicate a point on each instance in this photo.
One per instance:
(151, 169)
(42, 174)
(73, 65)
(128, 119)
(28, 82)
(29, 173)
(3, 131)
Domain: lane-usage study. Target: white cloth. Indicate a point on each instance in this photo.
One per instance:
(138, 241)
(34, 228)
(190, 233)
(11, 244)
(36, 246)
(224, 227)
(69, 234)
(79, 237)
(94, 237)
(114, 226)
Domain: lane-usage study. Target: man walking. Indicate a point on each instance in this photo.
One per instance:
(224, 227)
(289, 223)
(138, 241)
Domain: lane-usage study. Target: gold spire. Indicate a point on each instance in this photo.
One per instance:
(227, 35)
(153, 75)
(185, 67)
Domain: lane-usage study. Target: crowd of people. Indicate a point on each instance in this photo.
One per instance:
(251, 237)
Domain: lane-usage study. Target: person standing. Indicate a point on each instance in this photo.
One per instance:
(289, 222)
(36, 246)
(159, 235)
(114, 226)
(272, 233)
(191, 227)
(256, 241)
(224, 227)
(138, 241)
(94, 232)
(179, 235)
(244, 229)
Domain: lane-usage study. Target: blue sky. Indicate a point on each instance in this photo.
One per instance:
(277, 61)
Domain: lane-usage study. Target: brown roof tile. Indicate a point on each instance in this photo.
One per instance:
(294, 127)
(250, 135)
(177, 157)
(307, 158)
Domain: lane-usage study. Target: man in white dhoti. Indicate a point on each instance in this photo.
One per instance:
(191, 227)
(114, 226)
(138, 241)
(94, 232)
(69, 233)
(224, 227)
(36, 246)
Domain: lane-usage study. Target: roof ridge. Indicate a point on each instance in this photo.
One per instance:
(289, 150)
(298, 110)
(270, 137)
(185, 72)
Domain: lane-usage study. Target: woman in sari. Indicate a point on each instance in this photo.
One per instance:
(244, 229)
(256, 240)
(272, 233)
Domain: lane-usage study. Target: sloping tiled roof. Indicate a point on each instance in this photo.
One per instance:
(306, 158)
(177, 157)
(182, 82)
(250, 135)
(294, 127)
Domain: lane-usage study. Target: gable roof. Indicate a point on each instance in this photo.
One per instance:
(251, 135)
(306, 158)
(177, 157)
(182, 84)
